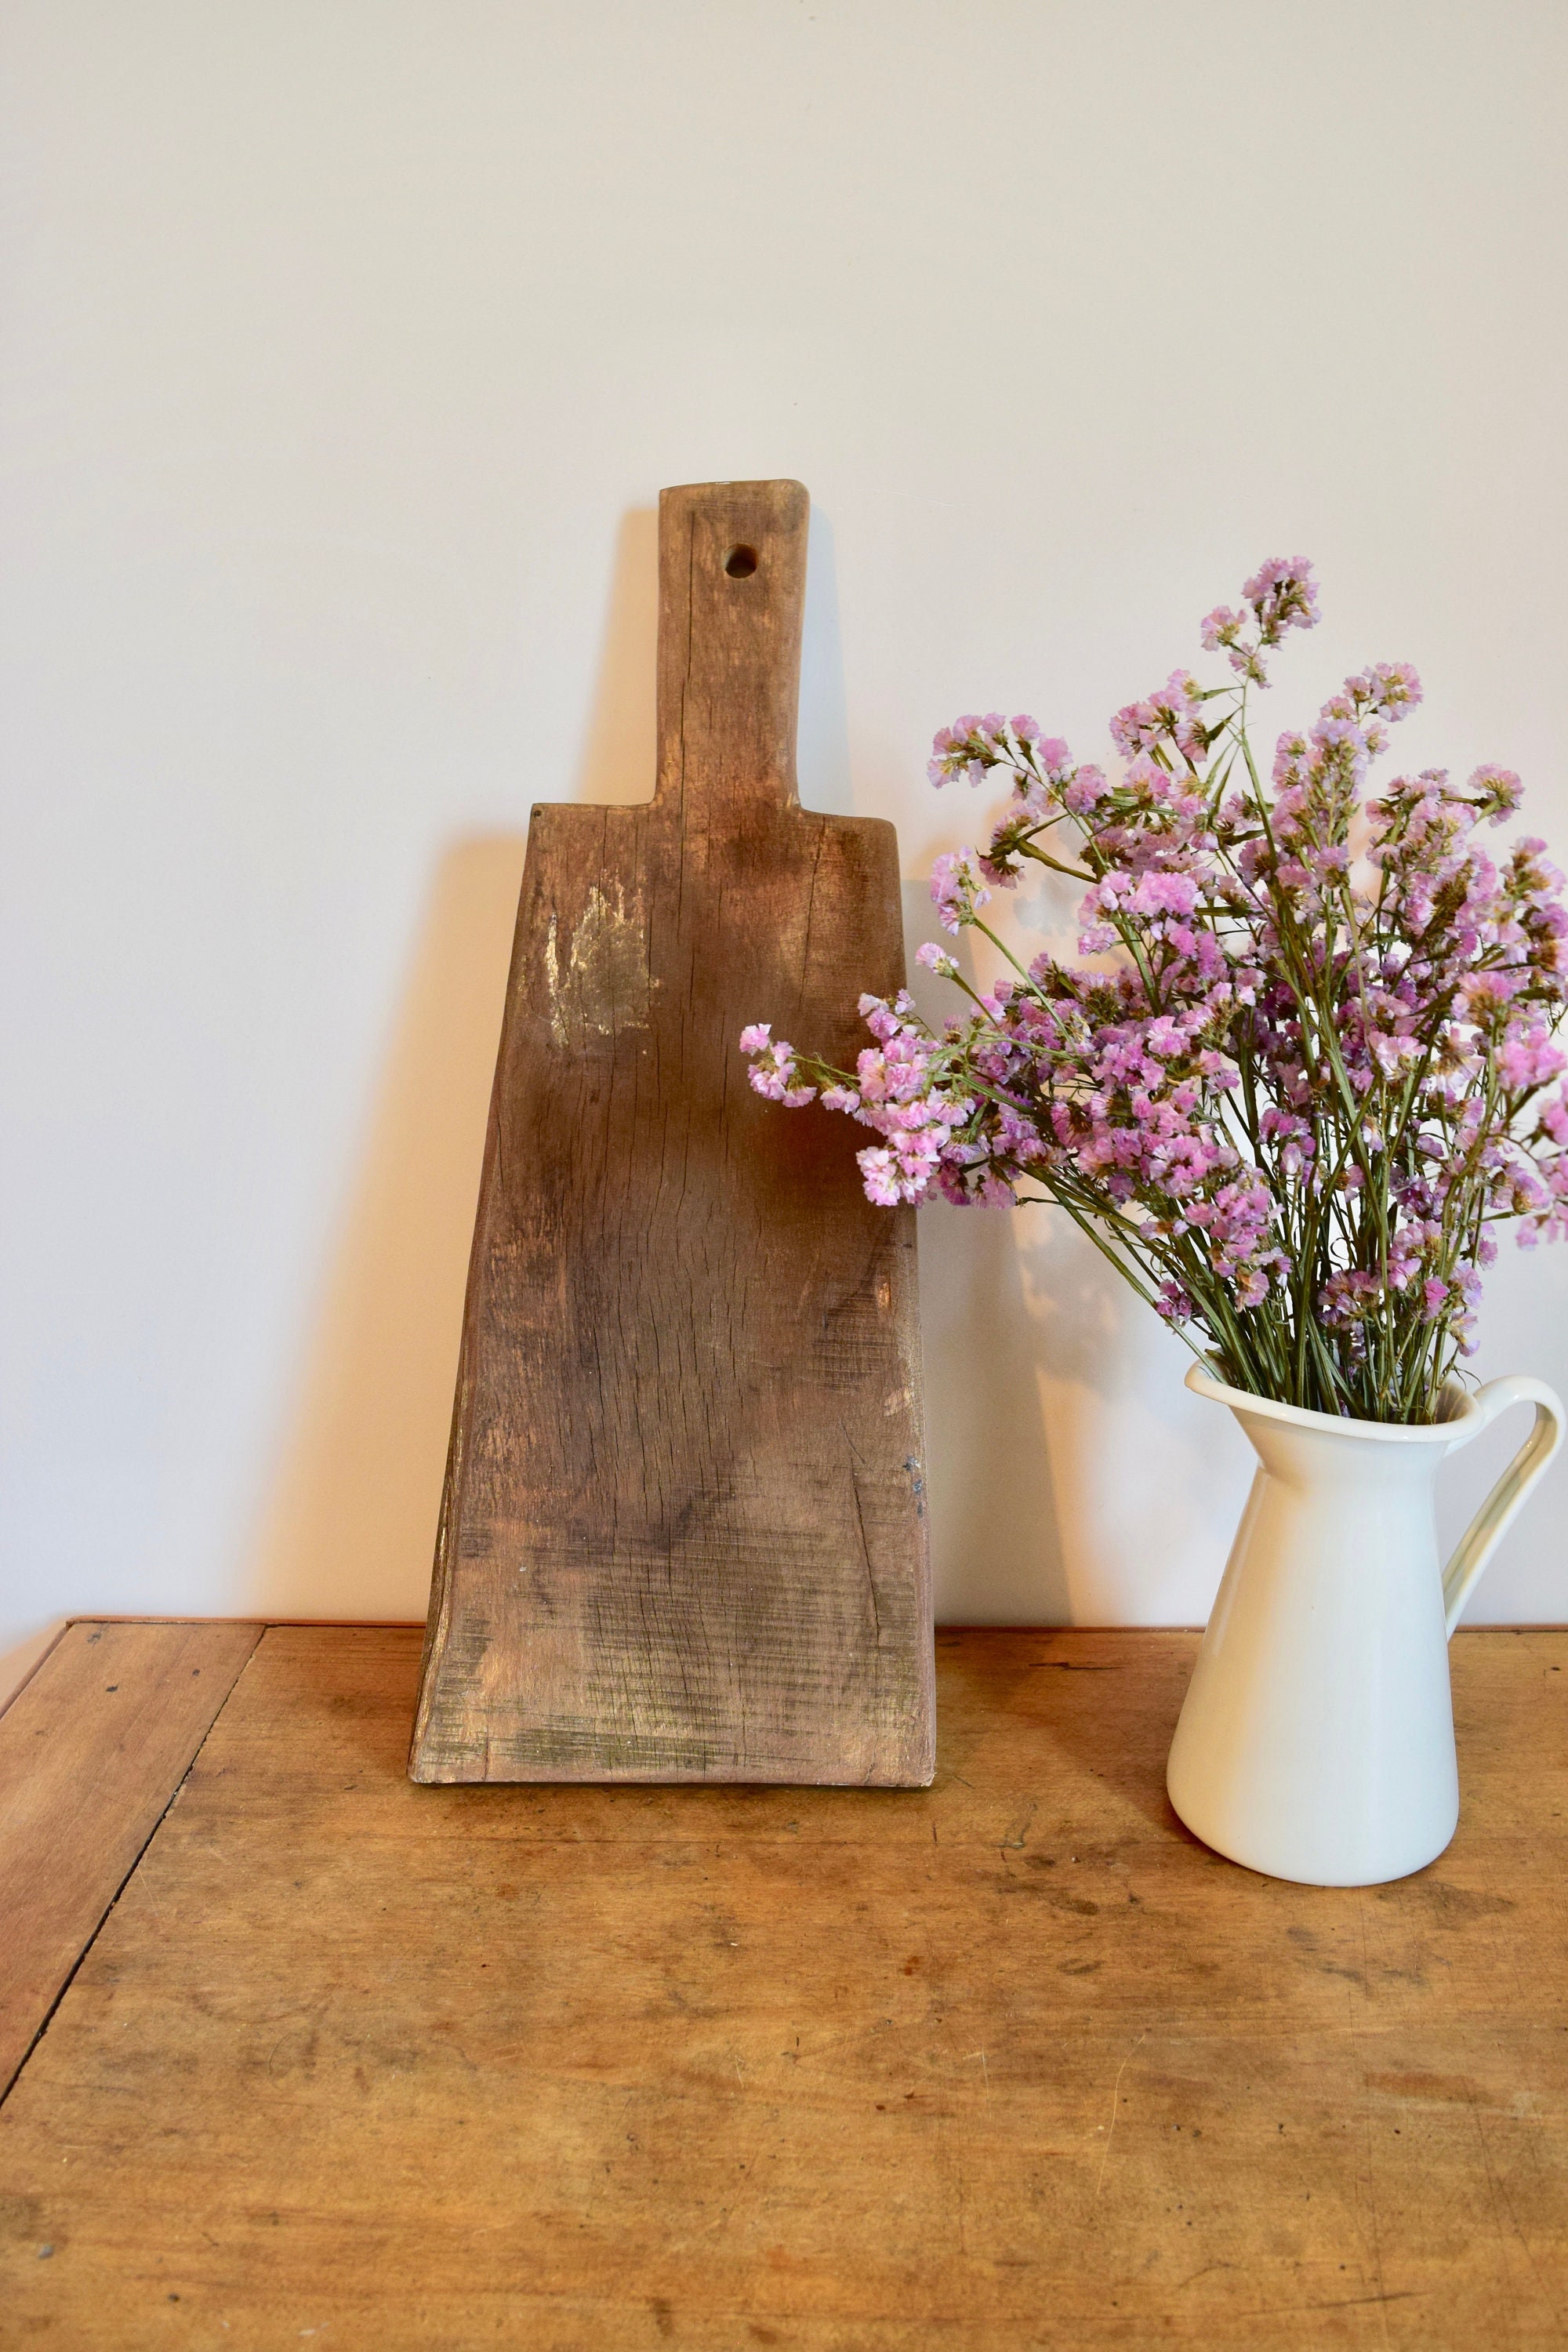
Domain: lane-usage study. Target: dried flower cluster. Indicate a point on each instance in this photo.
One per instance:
(1311, 1063)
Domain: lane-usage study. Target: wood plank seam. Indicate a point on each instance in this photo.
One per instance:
(7, 2088)
(31, 1971)
(44, 2024)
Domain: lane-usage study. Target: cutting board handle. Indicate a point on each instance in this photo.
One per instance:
(731, 562)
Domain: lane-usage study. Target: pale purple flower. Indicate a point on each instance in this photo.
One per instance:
(1164, 894)
(1172, 714)
(883, 1183)
(1392, 689)
(1529, 1059)
(936, 960)
(1283, 596)
(773, 1067)
(957, 890)
(1086, 787)
(1501, 793)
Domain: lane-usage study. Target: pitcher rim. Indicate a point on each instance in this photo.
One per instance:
(1460, 1405)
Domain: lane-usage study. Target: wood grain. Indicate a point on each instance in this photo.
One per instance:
(683, 1535)
(92, 1748)
(1010, 2060)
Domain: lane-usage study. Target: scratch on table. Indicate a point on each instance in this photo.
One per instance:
(1115, 2088)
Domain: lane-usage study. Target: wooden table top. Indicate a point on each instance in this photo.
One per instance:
(1012, 2060)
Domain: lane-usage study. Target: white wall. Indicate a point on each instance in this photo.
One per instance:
(349, 343)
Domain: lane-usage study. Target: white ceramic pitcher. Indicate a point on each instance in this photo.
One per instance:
(1317, 1739)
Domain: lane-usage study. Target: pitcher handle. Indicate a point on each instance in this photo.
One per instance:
(1496, 1515)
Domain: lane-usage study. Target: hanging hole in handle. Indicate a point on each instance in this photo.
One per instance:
(741, 562)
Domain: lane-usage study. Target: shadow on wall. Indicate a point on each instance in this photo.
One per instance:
(996, 1536)
(350, 1527)
(1025, 1332)
(620, 748)
(996, 1540)
(1073, 1479)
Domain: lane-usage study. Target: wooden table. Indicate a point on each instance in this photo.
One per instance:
(1011, 2060)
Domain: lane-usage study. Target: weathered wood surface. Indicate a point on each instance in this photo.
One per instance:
(1011, 2060)
(91, 1750)
(683, 1533)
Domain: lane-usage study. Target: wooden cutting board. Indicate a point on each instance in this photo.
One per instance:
(683, 1536)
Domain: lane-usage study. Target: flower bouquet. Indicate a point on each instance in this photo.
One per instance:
(1304, 1067)
(1307, 1063)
